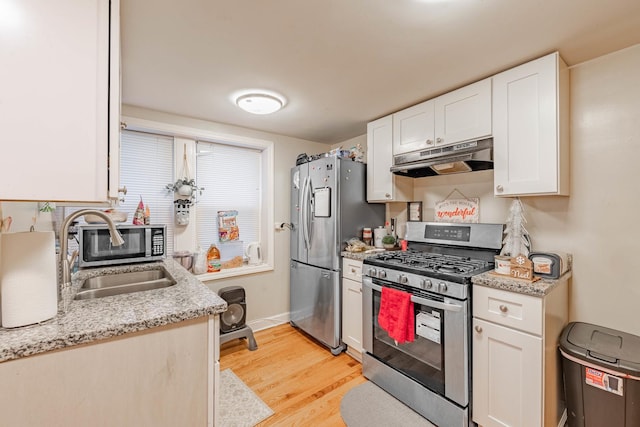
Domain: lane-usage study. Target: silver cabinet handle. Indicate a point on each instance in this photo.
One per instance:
(387, 195)
(439, 140)
(429, 142)
(503, 308)
(478, 329)
(499, 188)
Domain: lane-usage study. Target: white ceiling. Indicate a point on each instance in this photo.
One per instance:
(343, 63)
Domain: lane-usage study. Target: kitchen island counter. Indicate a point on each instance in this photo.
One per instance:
(86, 321)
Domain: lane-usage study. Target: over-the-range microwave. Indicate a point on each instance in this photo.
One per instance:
(142, 243)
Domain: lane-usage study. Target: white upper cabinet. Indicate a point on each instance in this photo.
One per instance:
(464, 114)
(530, 129)
(382, 185)
(461, 115)
(413, 128)
(60, 101)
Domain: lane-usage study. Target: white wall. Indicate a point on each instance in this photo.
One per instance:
(597, 223)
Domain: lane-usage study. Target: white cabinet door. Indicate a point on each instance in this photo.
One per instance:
(413, 128)
(54, 100)
(352, 314)
(382, 185)
(530, 129)
(464, 114)
(507, 376)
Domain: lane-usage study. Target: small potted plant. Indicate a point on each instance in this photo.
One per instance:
(388, 241)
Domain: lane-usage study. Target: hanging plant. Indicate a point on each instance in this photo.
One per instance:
(186, 186)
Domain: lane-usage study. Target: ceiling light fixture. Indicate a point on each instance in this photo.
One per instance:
(260, 103)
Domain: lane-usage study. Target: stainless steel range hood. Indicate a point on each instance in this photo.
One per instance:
(457, 158)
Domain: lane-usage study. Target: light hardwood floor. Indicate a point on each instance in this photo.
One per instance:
(297, 377)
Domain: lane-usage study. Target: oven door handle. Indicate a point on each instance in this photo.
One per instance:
(424, 301)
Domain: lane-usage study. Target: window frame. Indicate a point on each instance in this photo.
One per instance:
(185, 237)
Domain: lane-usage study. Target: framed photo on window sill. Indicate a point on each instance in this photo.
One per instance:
(414, 211)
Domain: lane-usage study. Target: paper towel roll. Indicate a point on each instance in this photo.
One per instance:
(28, 278)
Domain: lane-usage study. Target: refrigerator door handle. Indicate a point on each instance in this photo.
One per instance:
(305, 213)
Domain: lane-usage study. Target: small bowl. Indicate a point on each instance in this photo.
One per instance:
(185, 258)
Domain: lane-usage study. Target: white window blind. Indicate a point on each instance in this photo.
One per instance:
(146, 167)
(231, 177)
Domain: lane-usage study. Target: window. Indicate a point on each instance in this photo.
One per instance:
(231, 178)
(235, 171)
(146, 167)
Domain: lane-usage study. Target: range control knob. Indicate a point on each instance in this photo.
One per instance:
(442, 287)
(427, 284)
(403, 279)
(372, 272)
(382, 274)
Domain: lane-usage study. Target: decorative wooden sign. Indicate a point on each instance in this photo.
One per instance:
(522, 268)
(458, 210)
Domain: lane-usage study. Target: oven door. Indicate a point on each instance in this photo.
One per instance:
(438, 358)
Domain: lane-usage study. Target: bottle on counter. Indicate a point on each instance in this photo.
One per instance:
(213, 259)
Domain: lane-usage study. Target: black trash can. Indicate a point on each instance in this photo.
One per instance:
(601, 371)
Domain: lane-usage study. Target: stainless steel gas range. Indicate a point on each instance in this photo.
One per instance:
(432, 373)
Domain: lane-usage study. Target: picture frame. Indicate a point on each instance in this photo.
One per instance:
(414, 211)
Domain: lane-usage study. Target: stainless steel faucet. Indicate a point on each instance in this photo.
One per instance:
(65, 264)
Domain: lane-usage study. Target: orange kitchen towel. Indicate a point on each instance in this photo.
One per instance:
(396, 315)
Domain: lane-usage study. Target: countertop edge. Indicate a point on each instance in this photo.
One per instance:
(539, 288)
(83, 322)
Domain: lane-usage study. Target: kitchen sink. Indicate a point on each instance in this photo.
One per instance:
(124, 283)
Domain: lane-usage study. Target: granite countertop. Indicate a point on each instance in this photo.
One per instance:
(85, 321)
(359, 256)
(539, 288)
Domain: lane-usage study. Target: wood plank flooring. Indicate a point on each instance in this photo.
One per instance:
(296, 376)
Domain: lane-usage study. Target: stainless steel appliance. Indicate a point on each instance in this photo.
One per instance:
(328, 207)
(456, 158)
(142, 243)
(432, 373)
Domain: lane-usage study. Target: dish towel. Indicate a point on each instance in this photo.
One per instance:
(396, 315)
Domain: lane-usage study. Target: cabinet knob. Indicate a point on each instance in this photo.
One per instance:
(387, 195)
(478, 329)
(353, 270)
(429, 142)
(504, 308)
(499, 188)
(439, 140)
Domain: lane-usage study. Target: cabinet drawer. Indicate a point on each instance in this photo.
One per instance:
(352, 269)
(518, 311)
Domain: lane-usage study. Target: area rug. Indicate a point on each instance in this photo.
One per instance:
(368, 405)
(239, 406)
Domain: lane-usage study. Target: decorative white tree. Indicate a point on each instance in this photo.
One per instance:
(516, 237)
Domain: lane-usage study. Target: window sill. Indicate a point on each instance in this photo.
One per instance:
(234, 272)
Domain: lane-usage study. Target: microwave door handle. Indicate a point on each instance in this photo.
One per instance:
(431, 303)
(147, 242)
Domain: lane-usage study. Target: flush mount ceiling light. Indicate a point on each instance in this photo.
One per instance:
(260, 103)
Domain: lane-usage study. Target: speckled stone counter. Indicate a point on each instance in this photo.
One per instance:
(85, 321)
(539, 288)
(360, 256)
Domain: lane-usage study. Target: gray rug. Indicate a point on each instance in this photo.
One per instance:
(239, 406)
(367, 405)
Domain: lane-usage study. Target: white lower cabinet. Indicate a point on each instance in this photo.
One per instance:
(516, 372)
(352, 306)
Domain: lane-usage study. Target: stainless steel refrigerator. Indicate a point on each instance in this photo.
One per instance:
(328, 207)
